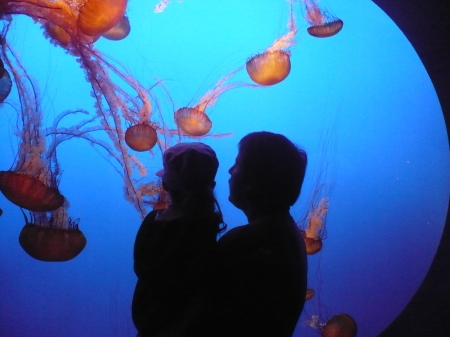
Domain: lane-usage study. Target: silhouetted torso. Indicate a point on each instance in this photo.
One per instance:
(172, 260)
(264, 279)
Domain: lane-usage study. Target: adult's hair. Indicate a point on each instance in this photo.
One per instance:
(273, 167)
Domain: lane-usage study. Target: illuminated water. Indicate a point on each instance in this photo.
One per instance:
(386, 156)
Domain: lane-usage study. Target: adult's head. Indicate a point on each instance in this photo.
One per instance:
(268, 173)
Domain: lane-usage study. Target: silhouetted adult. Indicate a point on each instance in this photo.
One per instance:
(264, 263)
(174, 250)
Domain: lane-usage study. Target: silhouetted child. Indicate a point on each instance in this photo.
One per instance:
(174, 252)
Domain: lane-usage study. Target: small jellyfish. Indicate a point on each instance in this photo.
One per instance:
(119, 31)
(141, 137)
(309, 294)
(321, 22)
(270, 67)
(193, 121)
(274, 64)
(314, 230)
(52, 237)
(342, 325)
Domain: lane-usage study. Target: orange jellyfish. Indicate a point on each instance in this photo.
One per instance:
(52, 237)
(141, 137)
(32, 184)
(98, 16)
(309, 294)
(58, 34)
(29, 192)
(193, 121)
(321, 22)
(119, 31)
(314, 231)
(157, 196)
(83, 21)
(342, 325)
(274, 64)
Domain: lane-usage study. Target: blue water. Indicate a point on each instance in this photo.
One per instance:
(360, 103)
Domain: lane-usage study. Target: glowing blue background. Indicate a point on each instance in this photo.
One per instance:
(366, 86)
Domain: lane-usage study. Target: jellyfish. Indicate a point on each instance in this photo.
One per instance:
(67, 23)
(314, 231)
(309, 294)
(313, 225)
(119, 31)
(52, 237)
(321, 22)
(33, 183)
(274, 64)
(141, 137)
(193, 121)
(342, 325)
(83, 21)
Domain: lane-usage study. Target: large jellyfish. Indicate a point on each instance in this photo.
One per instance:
(51, 235)
(321, 22)
(274, 64)
(82, 20)
(33, 182)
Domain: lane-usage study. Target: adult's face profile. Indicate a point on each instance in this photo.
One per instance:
(238, 185)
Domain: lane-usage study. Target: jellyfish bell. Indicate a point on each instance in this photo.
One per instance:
(141, 137)
(327, 29)
(270, 67)
(321, 22)
(29, 192)
(342, 325)
(52, 238)
(5, 85)
(98, 16)
(119, 31)
(58, 34)
(313, 245)
(193, 121)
